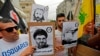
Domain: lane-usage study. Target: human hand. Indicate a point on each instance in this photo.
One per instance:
(28, 51)
(58, 46)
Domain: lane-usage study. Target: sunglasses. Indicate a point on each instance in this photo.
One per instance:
(10, 29)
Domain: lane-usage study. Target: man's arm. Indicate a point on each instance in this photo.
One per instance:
(94, 40)
(58, 46)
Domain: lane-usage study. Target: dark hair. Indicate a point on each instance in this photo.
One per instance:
(35, 12)
(60, 15)
(40, 32)
(5, 20)
(70, 15)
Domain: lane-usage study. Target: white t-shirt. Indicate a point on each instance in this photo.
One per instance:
(13, 48)
(58, 35)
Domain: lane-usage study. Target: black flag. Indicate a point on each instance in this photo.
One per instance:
(70, 16)
(8, 11)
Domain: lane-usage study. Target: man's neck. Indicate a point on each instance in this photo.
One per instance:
(9, 40)
(59, 29)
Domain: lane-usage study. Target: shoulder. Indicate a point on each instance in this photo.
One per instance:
(57, 31)
(1, 40)
(23, 36)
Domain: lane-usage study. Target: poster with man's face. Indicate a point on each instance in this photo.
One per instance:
(42, 38)
(69, 35)
(39, 13)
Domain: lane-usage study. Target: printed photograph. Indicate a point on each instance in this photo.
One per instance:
(39, 13)
(42, 37)
(69, 35)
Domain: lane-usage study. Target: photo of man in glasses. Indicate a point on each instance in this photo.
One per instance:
(13, 43)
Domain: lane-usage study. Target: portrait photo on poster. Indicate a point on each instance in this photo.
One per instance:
(69, 35)
(39, 13)
(42, 38)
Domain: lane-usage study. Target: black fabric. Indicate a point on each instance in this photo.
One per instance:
(70, 16)
(83, 39)
(8, 11)
(68, 42)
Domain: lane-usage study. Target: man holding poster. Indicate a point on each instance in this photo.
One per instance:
(13, 44)
(58, 33)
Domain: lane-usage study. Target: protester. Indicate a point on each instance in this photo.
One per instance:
(13, 44)
(94, 41)
(58, 33)
(87, 33)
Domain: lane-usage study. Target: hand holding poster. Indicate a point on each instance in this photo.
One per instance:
(69, 35)
(42, 36)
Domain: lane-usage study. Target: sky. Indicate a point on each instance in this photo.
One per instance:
(52, 4)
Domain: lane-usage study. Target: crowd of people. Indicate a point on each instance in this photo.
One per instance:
(14, 44)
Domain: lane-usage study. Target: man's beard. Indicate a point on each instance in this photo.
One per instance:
(38, 19)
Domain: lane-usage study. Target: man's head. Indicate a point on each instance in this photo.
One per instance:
(89, 28)
(8, 30)
(38, 14)
(59, 20)
(40, 37)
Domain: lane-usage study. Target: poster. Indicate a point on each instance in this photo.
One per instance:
(42, 37)
(69, 35)
(39, 13)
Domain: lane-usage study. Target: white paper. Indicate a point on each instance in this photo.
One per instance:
(69, 35)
